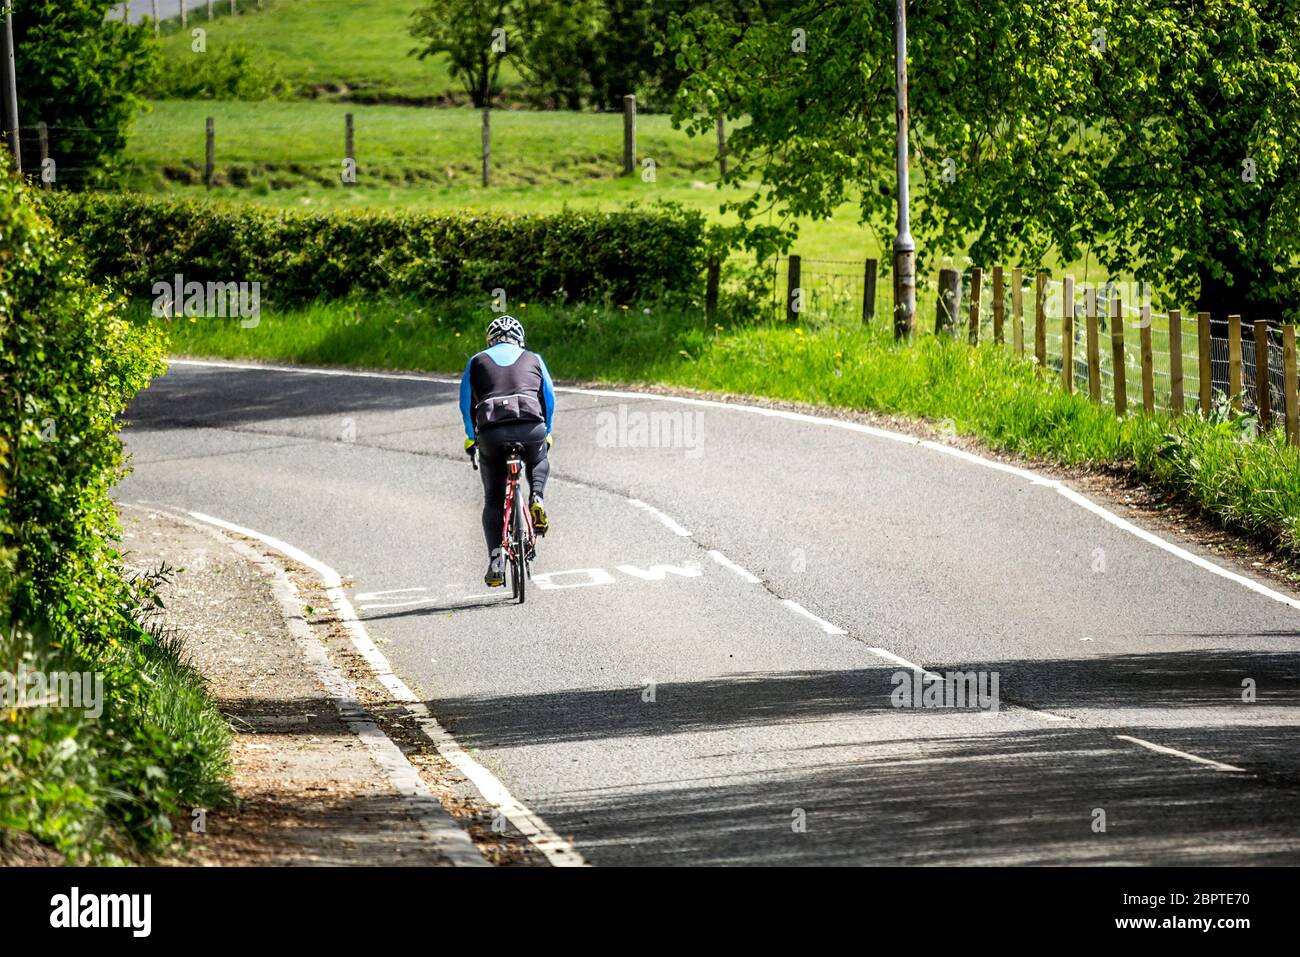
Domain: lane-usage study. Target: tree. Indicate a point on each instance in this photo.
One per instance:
(557, 52)
(1121, 129)
(84, 77)
(473, 35)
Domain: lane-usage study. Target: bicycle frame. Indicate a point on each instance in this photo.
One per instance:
(517, 552)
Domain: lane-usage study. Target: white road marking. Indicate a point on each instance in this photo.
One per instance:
(657, 573)
(1109, 516)
(1161, 749)
(726, 562)
(895, 659)
(380, 595)
(590, 576)
(450, 838)
(668, 523)
(1026, 474)
(557, 850)
(825, 625)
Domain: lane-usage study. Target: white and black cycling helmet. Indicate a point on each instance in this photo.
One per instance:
(506, 329)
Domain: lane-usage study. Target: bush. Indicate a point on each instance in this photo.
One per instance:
(83, 76)
(234, 72)
(69, 364)
(584, 256)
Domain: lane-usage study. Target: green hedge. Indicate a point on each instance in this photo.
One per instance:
(70, 362)
(574, 255)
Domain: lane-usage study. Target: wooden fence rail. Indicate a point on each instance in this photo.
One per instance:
(1167, 350)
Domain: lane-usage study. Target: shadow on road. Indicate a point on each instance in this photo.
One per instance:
(1016, 798)
(212, 397)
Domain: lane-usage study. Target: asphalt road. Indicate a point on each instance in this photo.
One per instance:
(691, 715)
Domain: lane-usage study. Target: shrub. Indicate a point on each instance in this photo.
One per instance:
(69, 364)
(574, 255)
(233, 72)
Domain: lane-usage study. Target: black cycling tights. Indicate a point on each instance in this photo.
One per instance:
(492, 465)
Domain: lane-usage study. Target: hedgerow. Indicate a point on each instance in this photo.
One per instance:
(69, 365)
(570, 256)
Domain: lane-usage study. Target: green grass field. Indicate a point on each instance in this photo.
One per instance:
(355, 48)
(289, 154)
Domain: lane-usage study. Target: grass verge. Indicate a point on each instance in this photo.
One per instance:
(1215, 463)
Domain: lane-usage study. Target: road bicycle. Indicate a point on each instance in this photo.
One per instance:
(518, 540)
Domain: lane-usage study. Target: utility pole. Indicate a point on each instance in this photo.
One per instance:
(904, 245)
(11, 87)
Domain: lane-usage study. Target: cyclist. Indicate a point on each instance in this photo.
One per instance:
(506, 395)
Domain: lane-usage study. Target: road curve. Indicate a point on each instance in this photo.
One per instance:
(703, 671)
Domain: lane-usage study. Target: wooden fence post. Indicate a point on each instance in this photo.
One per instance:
(185, 16)
(1234, 360)
(487, 145)
(722, 145)
(629, 134)
(209, 9)
(232, 7)
(1018, 312)
(153, 7)
(711, 288)
(1094, 345)
(1263, 388)
(999, 305)
(209, 167)
(1067, 334)
(1291, 387)
(976, 289)
(793, 294)
(1176, 402)
(1206, 373)
(1148, 361)
(869, 292)
(946, 309)
(349, 151)
(1040, 320)
(43, 132)
(1117, 353)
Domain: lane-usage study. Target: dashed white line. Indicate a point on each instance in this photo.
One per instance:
(667, 522)
(727, 563)
(1026, 474)
(1161, 749)
(895, 659)
(970, 457)
(557, 850)
(825, 625)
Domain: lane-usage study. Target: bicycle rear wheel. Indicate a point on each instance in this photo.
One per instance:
(518, 566)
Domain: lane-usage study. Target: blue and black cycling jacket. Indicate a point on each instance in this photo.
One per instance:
(505, 383)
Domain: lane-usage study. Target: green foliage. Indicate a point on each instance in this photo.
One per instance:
(1115, 128)
(571, 255)
(81, 76)
(472, 35)
(69, 364)
(232, 71)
